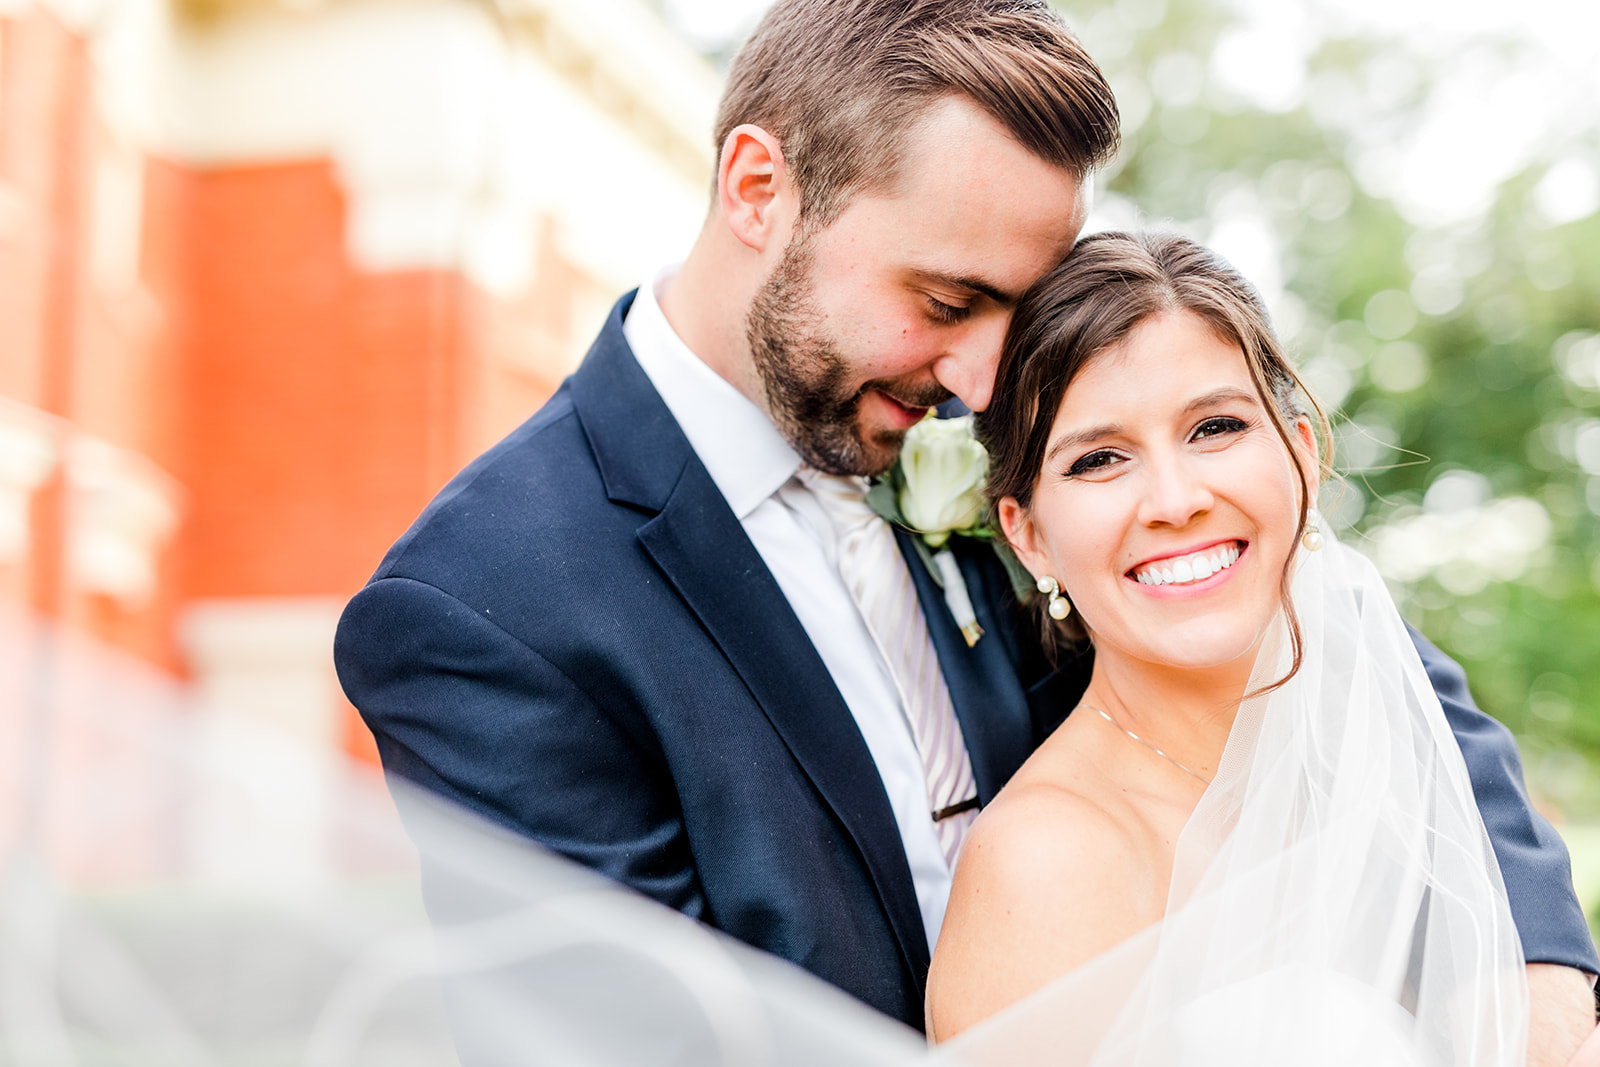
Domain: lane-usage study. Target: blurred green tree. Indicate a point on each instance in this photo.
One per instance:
(1444, 306)
(1420, 212)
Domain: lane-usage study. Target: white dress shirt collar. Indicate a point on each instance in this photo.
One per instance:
(744, 453)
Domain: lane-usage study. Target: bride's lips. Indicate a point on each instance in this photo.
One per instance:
(902, 416)
(1195, 568)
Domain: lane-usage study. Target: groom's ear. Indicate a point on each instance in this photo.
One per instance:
(753, 189)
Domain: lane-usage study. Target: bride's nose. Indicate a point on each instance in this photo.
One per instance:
(1174, 493)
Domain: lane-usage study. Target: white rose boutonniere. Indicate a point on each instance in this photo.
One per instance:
(935, 490)
(942, 471)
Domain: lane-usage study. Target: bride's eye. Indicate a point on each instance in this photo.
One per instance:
(1218, 426)
(1092, 463)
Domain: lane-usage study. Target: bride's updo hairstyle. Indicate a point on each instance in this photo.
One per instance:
(1106, 287)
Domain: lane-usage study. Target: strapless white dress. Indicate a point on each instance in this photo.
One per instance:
(1336, 859)
(1305, 1016)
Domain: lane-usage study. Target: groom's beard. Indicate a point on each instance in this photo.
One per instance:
(806, 377)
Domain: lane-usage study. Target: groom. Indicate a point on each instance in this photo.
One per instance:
(656, 628)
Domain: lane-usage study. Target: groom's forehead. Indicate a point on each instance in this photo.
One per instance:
(956, 150)
(952, 137)
(972, 209)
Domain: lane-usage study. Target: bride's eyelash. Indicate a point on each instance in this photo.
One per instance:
(1218, 425)
(1094, 461)
(1101, 458)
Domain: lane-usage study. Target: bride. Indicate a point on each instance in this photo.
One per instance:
(1254, 840)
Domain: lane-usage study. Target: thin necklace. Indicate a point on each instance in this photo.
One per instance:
(1145, 743)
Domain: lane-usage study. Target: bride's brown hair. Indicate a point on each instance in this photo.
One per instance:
(1106, 287)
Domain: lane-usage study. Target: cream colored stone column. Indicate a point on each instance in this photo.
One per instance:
(266, 693)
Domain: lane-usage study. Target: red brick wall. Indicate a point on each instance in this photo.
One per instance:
(67, 347)
(323, 406)
(307, 409)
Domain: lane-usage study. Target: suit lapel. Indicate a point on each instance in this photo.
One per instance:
(700, 546)
(988, 699)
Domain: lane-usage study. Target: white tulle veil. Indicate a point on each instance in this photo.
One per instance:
(185, 889)
(1334, 898)
(1335, 901)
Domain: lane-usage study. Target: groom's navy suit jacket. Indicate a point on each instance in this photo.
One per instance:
(578, 640)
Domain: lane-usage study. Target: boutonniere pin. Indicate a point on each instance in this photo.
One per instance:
(935, 490)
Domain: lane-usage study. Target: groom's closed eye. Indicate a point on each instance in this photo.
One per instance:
(948, 313)
(967, 283)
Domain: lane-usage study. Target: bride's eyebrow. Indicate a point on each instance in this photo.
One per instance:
(1079, 438)
(1090, 434)
(1217, 397)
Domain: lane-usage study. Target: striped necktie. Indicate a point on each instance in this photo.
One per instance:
(876, 574)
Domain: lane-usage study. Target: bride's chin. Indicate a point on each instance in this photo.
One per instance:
(1205, 651)
(1234, 657)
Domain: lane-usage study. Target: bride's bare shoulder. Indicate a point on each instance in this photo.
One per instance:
(1049, 877)
(1045, 843)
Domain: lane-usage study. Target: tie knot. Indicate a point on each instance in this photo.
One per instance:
(842, 496)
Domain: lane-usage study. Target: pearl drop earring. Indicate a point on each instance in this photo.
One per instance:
(1059, 607)
(1312, 538)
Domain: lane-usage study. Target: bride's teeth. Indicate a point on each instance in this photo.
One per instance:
(1194, 569)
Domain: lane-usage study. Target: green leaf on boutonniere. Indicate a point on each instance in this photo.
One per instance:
(1022, 582)
(884, 498)
(925, 552)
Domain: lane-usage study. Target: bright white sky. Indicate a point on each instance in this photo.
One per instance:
(1485, 121)
(710, 23)
(1568, 26)
(1486, 117)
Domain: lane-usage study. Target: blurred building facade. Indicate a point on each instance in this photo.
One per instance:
(270, 272)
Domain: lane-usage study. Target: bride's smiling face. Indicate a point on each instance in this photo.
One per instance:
(1167, 504)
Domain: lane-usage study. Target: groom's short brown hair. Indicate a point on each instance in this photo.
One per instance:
(840, 82)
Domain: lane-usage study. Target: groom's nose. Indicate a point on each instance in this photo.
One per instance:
(970, 358)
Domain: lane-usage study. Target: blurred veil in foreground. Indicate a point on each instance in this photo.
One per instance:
(262, 960)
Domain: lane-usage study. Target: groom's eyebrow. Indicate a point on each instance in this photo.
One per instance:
(977, 285)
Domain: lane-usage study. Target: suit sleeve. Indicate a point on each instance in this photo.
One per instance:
(463, 709)
(1533, 860)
